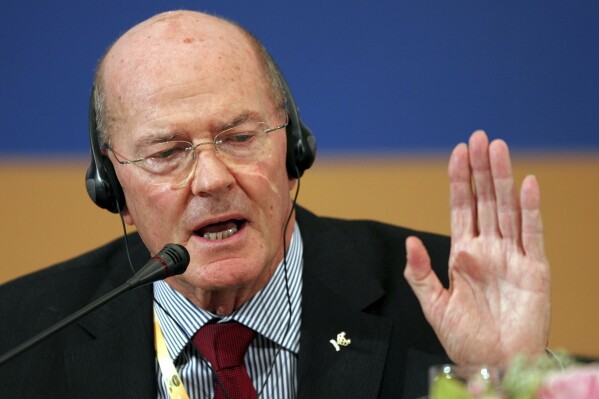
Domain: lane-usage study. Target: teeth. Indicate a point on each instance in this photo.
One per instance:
(221, 235)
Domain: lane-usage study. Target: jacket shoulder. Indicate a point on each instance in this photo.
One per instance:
(381, 243)
(41, 298)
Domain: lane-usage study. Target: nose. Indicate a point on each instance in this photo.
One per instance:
(210, 175)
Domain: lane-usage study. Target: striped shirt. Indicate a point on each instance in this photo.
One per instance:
(271, 359)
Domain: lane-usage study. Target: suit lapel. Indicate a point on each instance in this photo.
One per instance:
(112, 353)
(353, 371)
(337, 287)
(111, 350)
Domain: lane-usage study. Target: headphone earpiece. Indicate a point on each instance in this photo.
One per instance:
(101, 183)
(301, 143)
(301, 149)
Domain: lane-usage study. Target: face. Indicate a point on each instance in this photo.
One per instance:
(198, 84)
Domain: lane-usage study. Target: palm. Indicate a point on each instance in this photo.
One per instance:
(497, 304)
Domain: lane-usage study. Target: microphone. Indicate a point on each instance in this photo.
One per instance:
(172, 260)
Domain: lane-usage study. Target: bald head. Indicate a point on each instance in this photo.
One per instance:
(175, 48)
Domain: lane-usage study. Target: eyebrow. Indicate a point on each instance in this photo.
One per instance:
(246, 116)
(155, 138)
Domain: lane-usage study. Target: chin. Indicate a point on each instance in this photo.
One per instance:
(223, 275)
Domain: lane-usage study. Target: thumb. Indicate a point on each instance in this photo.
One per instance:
(423, 280)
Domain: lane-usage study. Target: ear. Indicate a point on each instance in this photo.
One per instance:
(127, 217)
(291, 183)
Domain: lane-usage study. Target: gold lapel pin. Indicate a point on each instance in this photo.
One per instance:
(341, 341)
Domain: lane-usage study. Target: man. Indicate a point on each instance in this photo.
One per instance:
(193, 118)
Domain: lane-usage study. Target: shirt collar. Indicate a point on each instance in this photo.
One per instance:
(180, 319)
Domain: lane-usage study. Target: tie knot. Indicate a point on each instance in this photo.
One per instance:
(224, 344)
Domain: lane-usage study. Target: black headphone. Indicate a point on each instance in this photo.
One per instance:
(103, 186)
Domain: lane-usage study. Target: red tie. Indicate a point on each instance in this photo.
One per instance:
(224, 346)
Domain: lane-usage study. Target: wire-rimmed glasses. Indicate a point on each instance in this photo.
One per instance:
(173, 161)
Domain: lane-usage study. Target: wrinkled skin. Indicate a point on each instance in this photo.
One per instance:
(187, 76)
(498, 301)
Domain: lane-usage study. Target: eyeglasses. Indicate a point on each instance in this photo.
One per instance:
(173, 161)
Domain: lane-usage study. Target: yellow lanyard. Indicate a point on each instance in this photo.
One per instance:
(171, 378)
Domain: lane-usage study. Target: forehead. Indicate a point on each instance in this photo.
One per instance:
(164, 60)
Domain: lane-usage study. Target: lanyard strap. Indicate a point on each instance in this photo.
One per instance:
(171, 378)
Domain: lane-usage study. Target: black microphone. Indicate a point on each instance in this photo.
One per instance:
(170, 261)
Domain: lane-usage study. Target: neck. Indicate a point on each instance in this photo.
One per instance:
(221, 302)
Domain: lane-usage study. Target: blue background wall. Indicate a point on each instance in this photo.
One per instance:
(373, 76)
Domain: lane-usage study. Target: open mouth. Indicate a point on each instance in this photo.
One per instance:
(221, 230)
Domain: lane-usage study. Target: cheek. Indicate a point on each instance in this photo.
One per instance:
(267, 178)
(156, 202)
(153, 209)
(265, 184)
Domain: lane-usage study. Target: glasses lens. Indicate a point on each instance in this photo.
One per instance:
(167, 160)
(173, 162)
(244, 146)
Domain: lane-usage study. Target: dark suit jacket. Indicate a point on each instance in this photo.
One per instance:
(352, 281)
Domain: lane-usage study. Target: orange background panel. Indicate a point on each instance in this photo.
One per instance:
(46, 217)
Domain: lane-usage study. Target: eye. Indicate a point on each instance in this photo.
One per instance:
(169, 150)
(243, 143)
(168, 153)
(167, 157)
(237, 138)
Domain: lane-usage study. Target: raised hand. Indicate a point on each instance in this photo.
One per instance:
(497, 304)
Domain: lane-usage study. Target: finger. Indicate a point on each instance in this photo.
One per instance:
(508, 208)
(483, 183)
(532, 224)
(461, 199)
(423, 280)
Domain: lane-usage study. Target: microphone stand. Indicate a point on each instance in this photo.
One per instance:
(170, 261)
(64, 322)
